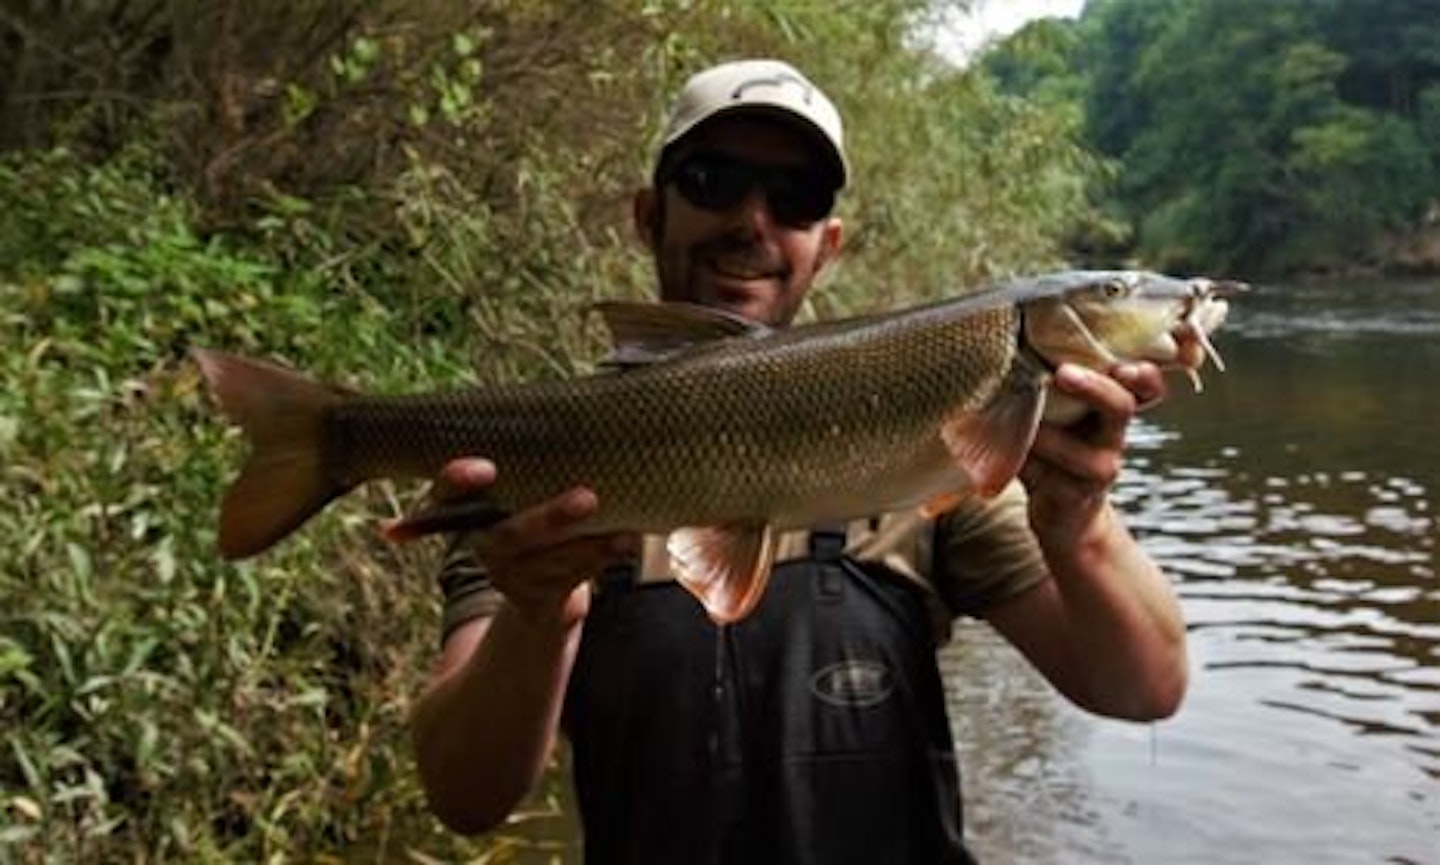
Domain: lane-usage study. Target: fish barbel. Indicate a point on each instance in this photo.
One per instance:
(720, 432)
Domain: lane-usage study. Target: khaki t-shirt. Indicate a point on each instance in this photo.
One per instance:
(966, 560)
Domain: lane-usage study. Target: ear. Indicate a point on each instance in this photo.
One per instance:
(645, 211)
(832, 236)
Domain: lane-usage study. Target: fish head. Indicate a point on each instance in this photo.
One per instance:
(1103, 318)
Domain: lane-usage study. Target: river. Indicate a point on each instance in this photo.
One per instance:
(1292, 501)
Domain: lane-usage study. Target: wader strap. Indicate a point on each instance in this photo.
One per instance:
(827, 546)
(827, 542)
(617, 577)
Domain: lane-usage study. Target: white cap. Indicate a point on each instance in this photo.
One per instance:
(759, 87)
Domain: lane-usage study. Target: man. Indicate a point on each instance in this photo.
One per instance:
(814, 730)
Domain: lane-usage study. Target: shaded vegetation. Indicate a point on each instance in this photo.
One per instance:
(393, 196)
(1290, 135)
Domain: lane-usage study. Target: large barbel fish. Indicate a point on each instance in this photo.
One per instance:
(719, 432)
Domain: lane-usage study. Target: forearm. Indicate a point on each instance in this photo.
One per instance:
(1125, 652)
(483, 730)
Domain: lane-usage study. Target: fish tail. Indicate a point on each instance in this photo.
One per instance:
(285, 481)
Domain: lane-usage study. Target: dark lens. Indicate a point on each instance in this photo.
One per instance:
(799, 198)
(713, 182)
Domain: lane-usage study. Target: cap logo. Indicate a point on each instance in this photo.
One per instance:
(778, 80)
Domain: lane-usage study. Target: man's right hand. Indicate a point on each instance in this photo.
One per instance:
(534, 558)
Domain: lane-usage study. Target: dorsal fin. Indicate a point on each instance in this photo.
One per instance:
(644, 332)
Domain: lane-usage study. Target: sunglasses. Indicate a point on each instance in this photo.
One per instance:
(797, 197)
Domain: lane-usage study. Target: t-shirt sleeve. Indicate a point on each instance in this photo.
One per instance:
(466, 587)
(986, 553)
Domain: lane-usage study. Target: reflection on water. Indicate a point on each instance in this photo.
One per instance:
(1292, 501)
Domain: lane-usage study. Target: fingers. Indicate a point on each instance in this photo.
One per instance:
(535, 559)
(462, 478)
(1091, 450)
(1110, 400)
(543, 526)
(1144, 383)
(1065, 466)
(542, 580)
(542, 540)
(456, 503)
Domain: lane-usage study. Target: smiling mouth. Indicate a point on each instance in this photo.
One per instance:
(740, 259)
(740, 274)
(743, 269)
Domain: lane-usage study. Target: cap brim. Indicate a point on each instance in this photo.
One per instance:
(838, 170)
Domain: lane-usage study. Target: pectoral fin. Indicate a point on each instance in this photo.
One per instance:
(991, 444)
(725, 567)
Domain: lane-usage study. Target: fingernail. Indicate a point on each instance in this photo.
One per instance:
(1127, 372)
(472, 470)
(579, 503)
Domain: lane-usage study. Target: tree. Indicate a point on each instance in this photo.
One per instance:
(1261, 136)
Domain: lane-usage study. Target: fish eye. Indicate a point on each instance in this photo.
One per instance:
(1115, 288)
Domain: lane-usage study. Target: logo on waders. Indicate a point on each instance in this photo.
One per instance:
(853, 683)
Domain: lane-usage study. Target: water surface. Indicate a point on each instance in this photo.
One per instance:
(1292, 502)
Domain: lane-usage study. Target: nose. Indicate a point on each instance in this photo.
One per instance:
(753, 211)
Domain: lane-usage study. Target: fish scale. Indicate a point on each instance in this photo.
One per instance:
(703, 437)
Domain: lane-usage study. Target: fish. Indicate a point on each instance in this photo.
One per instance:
(719, 432)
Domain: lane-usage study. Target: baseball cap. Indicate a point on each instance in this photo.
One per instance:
(759, 87)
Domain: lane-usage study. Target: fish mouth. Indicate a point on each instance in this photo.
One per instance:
(1103, 325)
(1206, 311)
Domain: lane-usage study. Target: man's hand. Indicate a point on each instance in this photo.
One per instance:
(1071, 468)
(533, 557)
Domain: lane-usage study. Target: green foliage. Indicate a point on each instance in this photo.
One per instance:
(151, 697)
(1039, 69)
(1039, 60)
(393, 197)
(1267, 136)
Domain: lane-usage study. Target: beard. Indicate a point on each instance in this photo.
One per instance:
(733, 273)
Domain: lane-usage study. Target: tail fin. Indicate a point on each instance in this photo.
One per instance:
(285, 482)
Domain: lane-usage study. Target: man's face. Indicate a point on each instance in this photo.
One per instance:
(743, 257)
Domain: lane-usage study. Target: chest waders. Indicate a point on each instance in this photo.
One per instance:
(813, 731)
